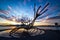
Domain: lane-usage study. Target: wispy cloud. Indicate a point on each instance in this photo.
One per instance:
(56, 17)
(9, 7)
(4, 11)
(24, 2)
(3, 16)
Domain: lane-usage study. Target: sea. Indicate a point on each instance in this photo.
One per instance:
(51, 33)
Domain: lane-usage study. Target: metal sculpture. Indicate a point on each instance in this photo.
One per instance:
(30, 25)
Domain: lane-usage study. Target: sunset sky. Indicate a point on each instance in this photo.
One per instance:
(15, 9)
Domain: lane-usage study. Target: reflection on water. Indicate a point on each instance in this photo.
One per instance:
(32, 31)
(49, 28)
(6, 27)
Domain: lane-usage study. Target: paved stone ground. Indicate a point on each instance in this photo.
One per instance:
(49, 35)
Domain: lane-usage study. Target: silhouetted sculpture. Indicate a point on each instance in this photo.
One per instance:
(29, 26)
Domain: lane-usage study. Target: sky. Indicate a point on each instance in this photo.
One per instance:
(14, 9)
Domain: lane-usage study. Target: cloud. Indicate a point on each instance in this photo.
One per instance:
(53, 20)
(9, 7)
(3, 16)
(56, 17)
(4, 11)
(29, 0)
(24, 2)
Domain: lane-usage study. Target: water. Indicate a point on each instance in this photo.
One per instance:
(49, 28)
(50, 33)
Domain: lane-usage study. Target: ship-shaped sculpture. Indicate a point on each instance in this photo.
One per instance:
(29, 30)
